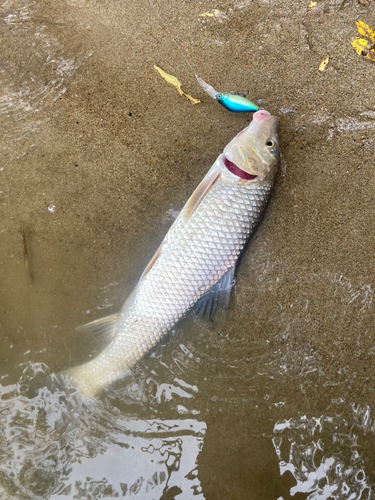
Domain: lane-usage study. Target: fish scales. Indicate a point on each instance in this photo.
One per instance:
(197, 254)
(198, 250)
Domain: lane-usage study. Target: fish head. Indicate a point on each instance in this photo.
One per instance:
(255, 150)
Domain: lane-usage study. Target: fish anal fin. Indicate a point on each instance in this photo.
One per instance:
(104, 329)
(199, 194)
(152, 261)
(213, 305)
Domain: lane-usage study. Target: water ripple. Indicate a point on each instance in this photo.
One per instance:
(55, 443)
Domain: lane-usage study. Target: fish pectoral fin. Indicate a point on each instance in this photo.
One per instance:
(104, 329)
(201, 191)
(215, 302)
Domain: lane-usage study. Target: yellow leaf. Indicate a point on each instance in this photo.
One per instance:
(312, 4)
(360, 44)
(210, 13)
(323, 64)
(365, 30)
(176, 83)
(169, 78)
(194, 101)
(369, 54)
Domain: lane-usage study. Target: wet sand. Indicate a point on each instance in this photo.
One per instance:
(98, 151)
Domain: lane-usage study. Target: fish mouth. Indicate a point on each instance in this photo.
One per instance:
(233, 169)
(260, 115)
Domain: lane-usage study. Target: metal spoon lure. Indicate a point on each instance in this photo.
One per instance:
(237, 103)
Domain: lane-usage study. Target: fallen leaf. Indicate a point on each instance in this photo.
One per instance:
(323, 64)
(170, 79)
(365, 30)
(312, 4)
(176, 83)
(213, 13)
(362, 46)
(191, 99)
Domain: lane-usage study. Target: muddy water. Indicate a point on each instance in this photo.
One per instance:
(97, 153)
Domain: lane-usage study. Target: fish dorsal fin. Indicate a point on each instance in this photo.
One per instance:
(199, 194)
(216, 300)
(104, 329)
(152, 261)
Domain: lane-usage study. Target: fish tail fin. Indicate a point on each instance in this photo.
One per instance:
(88, 377)
(81, 378)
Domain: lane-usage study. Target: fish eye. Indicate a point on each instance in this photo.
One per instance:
(219, 96)
(270, 144)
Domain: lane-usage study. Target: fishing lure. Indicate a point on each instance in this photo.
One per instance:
(237, 103)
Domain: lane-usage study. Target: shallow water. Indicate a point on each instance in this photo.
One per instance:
(98, 152)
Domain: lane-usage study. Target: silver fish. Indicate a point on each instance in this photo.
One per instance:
(195, 262)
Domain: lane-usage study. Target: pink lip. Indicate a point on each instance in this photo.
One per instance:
(260, 115)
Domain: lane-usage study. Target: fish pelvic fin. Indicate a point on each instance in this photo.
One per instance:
(213, 305)
(104, 329)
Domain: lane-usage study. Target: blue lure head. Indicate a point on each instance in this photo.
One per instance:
(236, 103)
